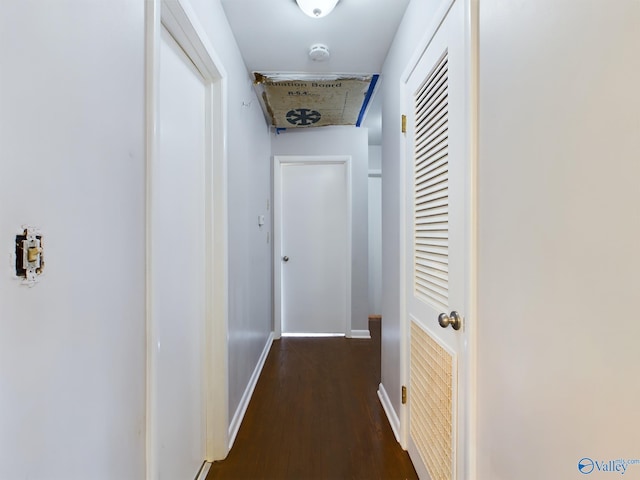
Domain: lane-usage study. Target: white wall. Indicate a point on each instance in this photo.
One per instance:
(375, 157)
(375, 230)
(341, 141)
(249, 188)
(417, 18)
(375, 244)
(559, 216)
(72, 348)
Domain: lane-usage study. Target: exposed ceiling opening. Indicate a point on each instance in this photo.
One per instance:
(304, 101)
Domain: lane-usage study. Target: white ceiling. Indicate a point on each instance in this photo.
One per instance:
(275, 36)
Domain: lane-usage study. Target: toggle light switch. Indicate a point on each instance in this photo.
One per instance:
(33, 254)
(29, 258)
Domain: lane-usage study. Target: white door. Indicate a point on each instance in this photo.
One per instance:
(313, 251)
(178, 267)
(437, 252)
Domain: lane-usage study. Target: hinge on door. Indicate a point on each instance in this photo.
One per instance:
(404, 124)
(404, 394)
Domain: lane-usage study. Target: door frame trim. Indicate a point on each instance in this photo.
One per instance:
(278, 162)
(179, 18)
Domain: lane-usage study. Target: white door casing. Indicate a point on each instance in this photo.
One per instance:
(178, 20)
(312, 245)
(437, 245)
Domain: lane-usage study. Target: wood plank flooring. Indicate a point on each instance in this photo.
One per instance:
(315, 415)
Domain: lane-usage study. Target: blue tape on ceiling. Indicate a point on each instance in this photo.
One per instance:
(367, 98)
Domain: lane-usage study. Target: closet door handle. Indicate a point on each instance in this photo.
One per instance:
(454, 319)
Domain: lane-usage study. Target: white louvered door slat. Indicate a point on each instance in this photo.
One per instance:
(431, 198)
(437, 253)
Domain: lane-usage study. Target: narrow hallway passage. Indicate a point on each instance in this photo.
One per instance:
(315, 415)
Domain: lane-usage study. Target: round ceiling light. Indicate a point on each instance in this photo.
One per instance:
(317, 8)
(319, 53)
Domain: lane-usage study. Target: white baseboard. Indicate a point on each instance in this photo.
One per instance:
(234, 427)
(394, 421)
(360, 334)
(204, 470)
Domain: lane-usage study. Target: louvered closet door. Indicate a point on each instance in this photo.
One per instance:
(437, 258)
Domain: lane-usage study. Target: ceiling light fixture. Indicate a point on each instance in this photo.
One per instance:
(317, 8)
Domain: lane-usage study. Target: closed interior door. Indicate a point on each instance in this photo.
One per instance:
(437, 253)
(314, 243)
(178, 267)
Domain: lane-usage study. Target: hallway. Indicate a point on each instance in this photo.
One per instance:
(139, 289)
(315, 415)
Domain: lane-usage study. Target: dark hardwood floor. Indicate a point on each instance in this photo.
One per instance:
(315, 414)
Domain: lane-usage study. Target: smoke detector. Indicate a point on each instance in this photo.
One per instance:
(319, 53)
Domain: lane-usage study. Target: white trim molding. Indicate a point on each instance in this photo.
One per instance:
(364, 334)
(394, 421)
(204, 471)
(152, 62)
(234, 427)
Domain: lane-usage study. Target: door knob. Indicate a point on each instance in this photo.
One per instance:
(454, 319)
(285, 259)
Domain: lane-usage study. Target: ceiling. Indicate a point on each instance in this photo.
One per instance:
(274, 36)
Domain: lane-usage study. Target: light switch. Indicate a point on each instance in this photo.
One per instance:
(260, 220)
(33, 254)
(29, 258)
